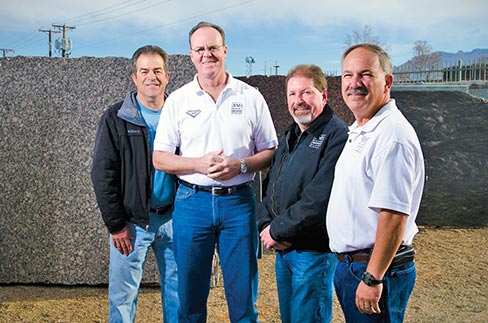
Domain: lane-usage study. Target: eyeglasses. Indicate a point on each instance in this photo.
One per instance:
(211, 49)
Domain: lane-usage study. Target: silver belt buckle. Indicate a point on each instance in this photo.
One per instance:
(217, 190)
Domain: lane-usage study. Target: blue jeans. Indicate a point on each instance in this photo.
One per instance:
(125, 272)
(305, 285)
(201, 221)
(397, 287)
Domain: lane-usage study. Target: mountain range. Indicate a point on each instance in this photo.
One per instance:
(448, 59)
(468, 57)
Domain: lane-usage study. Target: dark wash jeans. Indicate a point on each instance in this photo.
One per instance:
(397, 287)
(201, 221)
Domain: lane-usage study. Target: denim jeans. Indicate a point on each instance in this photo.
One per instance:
(305, 286)
(125, 272)
(397, 287)
(201, 221)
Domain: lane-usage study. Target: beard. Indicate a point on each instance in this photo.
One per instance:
(305, 116)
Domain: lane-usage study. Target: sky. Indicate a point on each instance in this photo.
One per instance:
(278, 34)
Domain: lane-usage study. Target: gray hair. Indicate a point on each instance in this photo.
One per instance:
(202, 24)
(385, 59)
(150, 50)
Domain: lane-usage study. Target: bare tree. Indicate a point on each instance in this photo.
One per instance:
(364, 36)
(424, 58)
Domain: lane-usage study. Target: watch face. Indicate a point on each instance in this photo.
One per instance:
(370, 280)
(243, 166)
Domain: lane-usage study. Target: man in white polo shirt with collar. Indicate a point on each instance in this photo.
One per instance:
(214, 134)
(376, 194)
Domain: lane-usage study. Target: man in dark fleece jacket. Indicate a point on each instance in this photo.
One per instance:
(291, 217)
(135, 200)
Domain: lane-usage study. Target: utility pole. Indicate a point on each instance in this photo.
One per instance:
(50, 39)
(5, 51)
(64, 27)
(276, 66)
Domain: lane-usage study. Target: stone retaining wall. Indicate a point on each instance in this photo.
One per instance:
(51, 229)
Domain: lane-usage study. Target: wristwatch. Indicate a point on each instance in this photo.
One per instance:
(243, 166)
(370, 280)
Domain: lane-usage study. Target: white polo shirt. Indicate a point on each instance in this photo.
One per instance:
(239, 122)
(381, 167)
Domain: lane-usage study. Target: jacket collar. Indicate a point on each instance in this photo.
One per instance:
(129, 111)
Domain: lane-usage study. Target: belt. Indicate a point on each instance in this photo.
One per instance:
(162, 210)
(353, 257)
(215, 190)
(405, 254)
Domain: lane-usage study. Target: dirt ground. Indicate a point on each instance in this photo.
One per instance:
(451, 287)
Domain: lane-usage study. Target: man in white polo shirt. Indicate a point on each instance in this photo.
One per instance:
(214, 134)
(376, 194)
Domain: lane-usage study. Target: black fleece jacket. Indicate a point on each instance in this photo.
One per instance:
(298, 184)
(122, 166)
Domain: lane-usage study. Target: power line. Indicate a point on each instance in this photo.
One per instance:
(124, 14)
(21, 41)
(109, 10)
(65, 44)
(50, 31)
(181, 20)
(97, 12)
(123, 5)
(28, 39)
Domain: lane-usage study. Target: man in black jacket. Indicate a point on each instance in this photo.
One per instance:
(136, 200)
(292, 214)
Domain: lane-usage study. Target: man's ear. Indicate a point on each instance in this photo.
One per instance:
(388, 81)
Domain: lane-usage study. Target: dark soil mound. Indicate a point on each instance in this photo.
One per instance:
(452, 128)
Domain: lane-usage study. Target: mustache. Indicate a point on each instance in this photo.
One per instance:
(301, 106)
(358, 90)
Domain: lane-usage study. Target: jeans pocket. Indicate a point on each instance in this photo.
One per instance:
(183, 193)
(356, 269)
(402, 270)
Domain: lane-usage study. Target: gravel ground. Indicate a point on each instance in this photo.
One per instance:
(451, 287)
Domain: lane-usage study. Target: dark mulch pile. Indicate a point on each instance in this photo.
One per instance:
(452, 130)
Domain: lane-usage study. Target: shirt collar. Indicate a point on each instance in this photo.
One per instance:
(230, 86)
(382, 113)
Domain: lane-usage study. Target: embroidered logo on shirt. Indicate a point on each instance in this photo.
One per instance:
(133, 131)
(317, 142)
(193, 113)
(237, 108)
(360, 145)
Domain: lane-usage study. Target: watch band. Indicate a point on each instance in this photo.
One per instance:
(370, 280)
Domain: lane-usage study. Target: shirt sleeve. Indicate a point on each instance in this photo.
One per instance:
(394, 175)
(265, 131)
(167, 138)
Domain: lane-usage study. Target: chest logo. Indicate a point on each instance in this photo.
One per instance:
(237, 108)
(317, 142)
(360, 145)
(193, 113)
